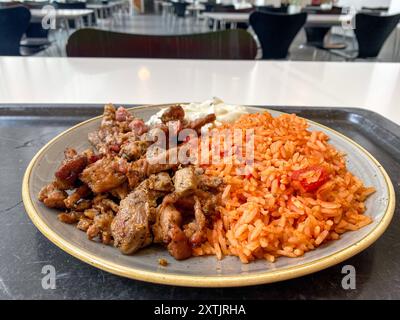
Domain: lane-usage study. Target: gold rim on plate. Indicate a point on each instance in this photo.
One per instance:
(208, 281)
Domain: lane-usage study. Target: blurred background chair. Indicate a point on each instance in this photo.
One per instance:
(371, 32)
(276, 31)
(228, 44)
(14, 21)
(35, 29)
(180, 8)
(36, 37)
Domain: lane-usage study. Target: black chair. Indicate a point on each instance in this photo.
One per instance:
(180, 8)
(214, 7)
(371, 33)
(228, 44)
(36, 37)
(276, 31)
(14, 22)
(223, 8)
(69, 5)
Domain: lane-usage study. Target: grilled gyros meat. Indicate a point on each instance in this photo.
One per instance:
(131, 227)
(130, 194)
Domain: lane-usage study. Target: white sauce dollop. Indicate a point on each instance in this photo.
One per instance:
(223, 112)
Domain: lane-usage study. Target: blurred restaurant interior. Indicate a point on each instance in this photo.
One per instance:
(299, 30)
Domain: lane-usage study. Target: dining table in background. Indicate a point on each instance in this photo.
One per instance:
(100, 9)
(313, 20)
(53, 80)
(64, 16)
(195, 9)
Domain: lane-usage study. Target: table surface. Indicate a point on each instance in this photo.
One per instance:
(373, 86)
(62, 13)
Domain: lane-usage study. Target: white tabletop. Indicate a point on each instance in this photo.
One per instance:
(100, 5)
(312, 19)
(62, 13)
(374, 86)
(106, 5)
(196, 7)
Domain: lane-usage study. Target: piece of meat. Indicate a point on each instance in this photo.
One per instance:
(52, 197)
(131, 227)
(69, 153)
(209, 201)
(113, 131)
(163, 262)
(69, 217)
(81, 192)
(208, 182)
(95, 139)
(167, 230)
(91, 213)
(141, 169)
(91, 156)
(103, 175)
(200, 222)
(108, 139)
(103, 204)
(158, 130)
(138, 127)
(185, 204)
(167, 218)
(68, 172)
(160, 182)
(123, 115)
(82, 205)
(101, 227)
(197, 124)
(185, 181)
(121, 191)
(108, 118)
(175, 112)
(84, 224)
(179, 247)
(133, 150)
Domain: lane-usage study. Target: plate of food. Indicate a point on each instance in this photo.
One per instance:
(207, 194)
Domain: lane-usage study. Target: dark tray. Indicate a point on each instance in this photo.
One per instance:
(24, 251)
